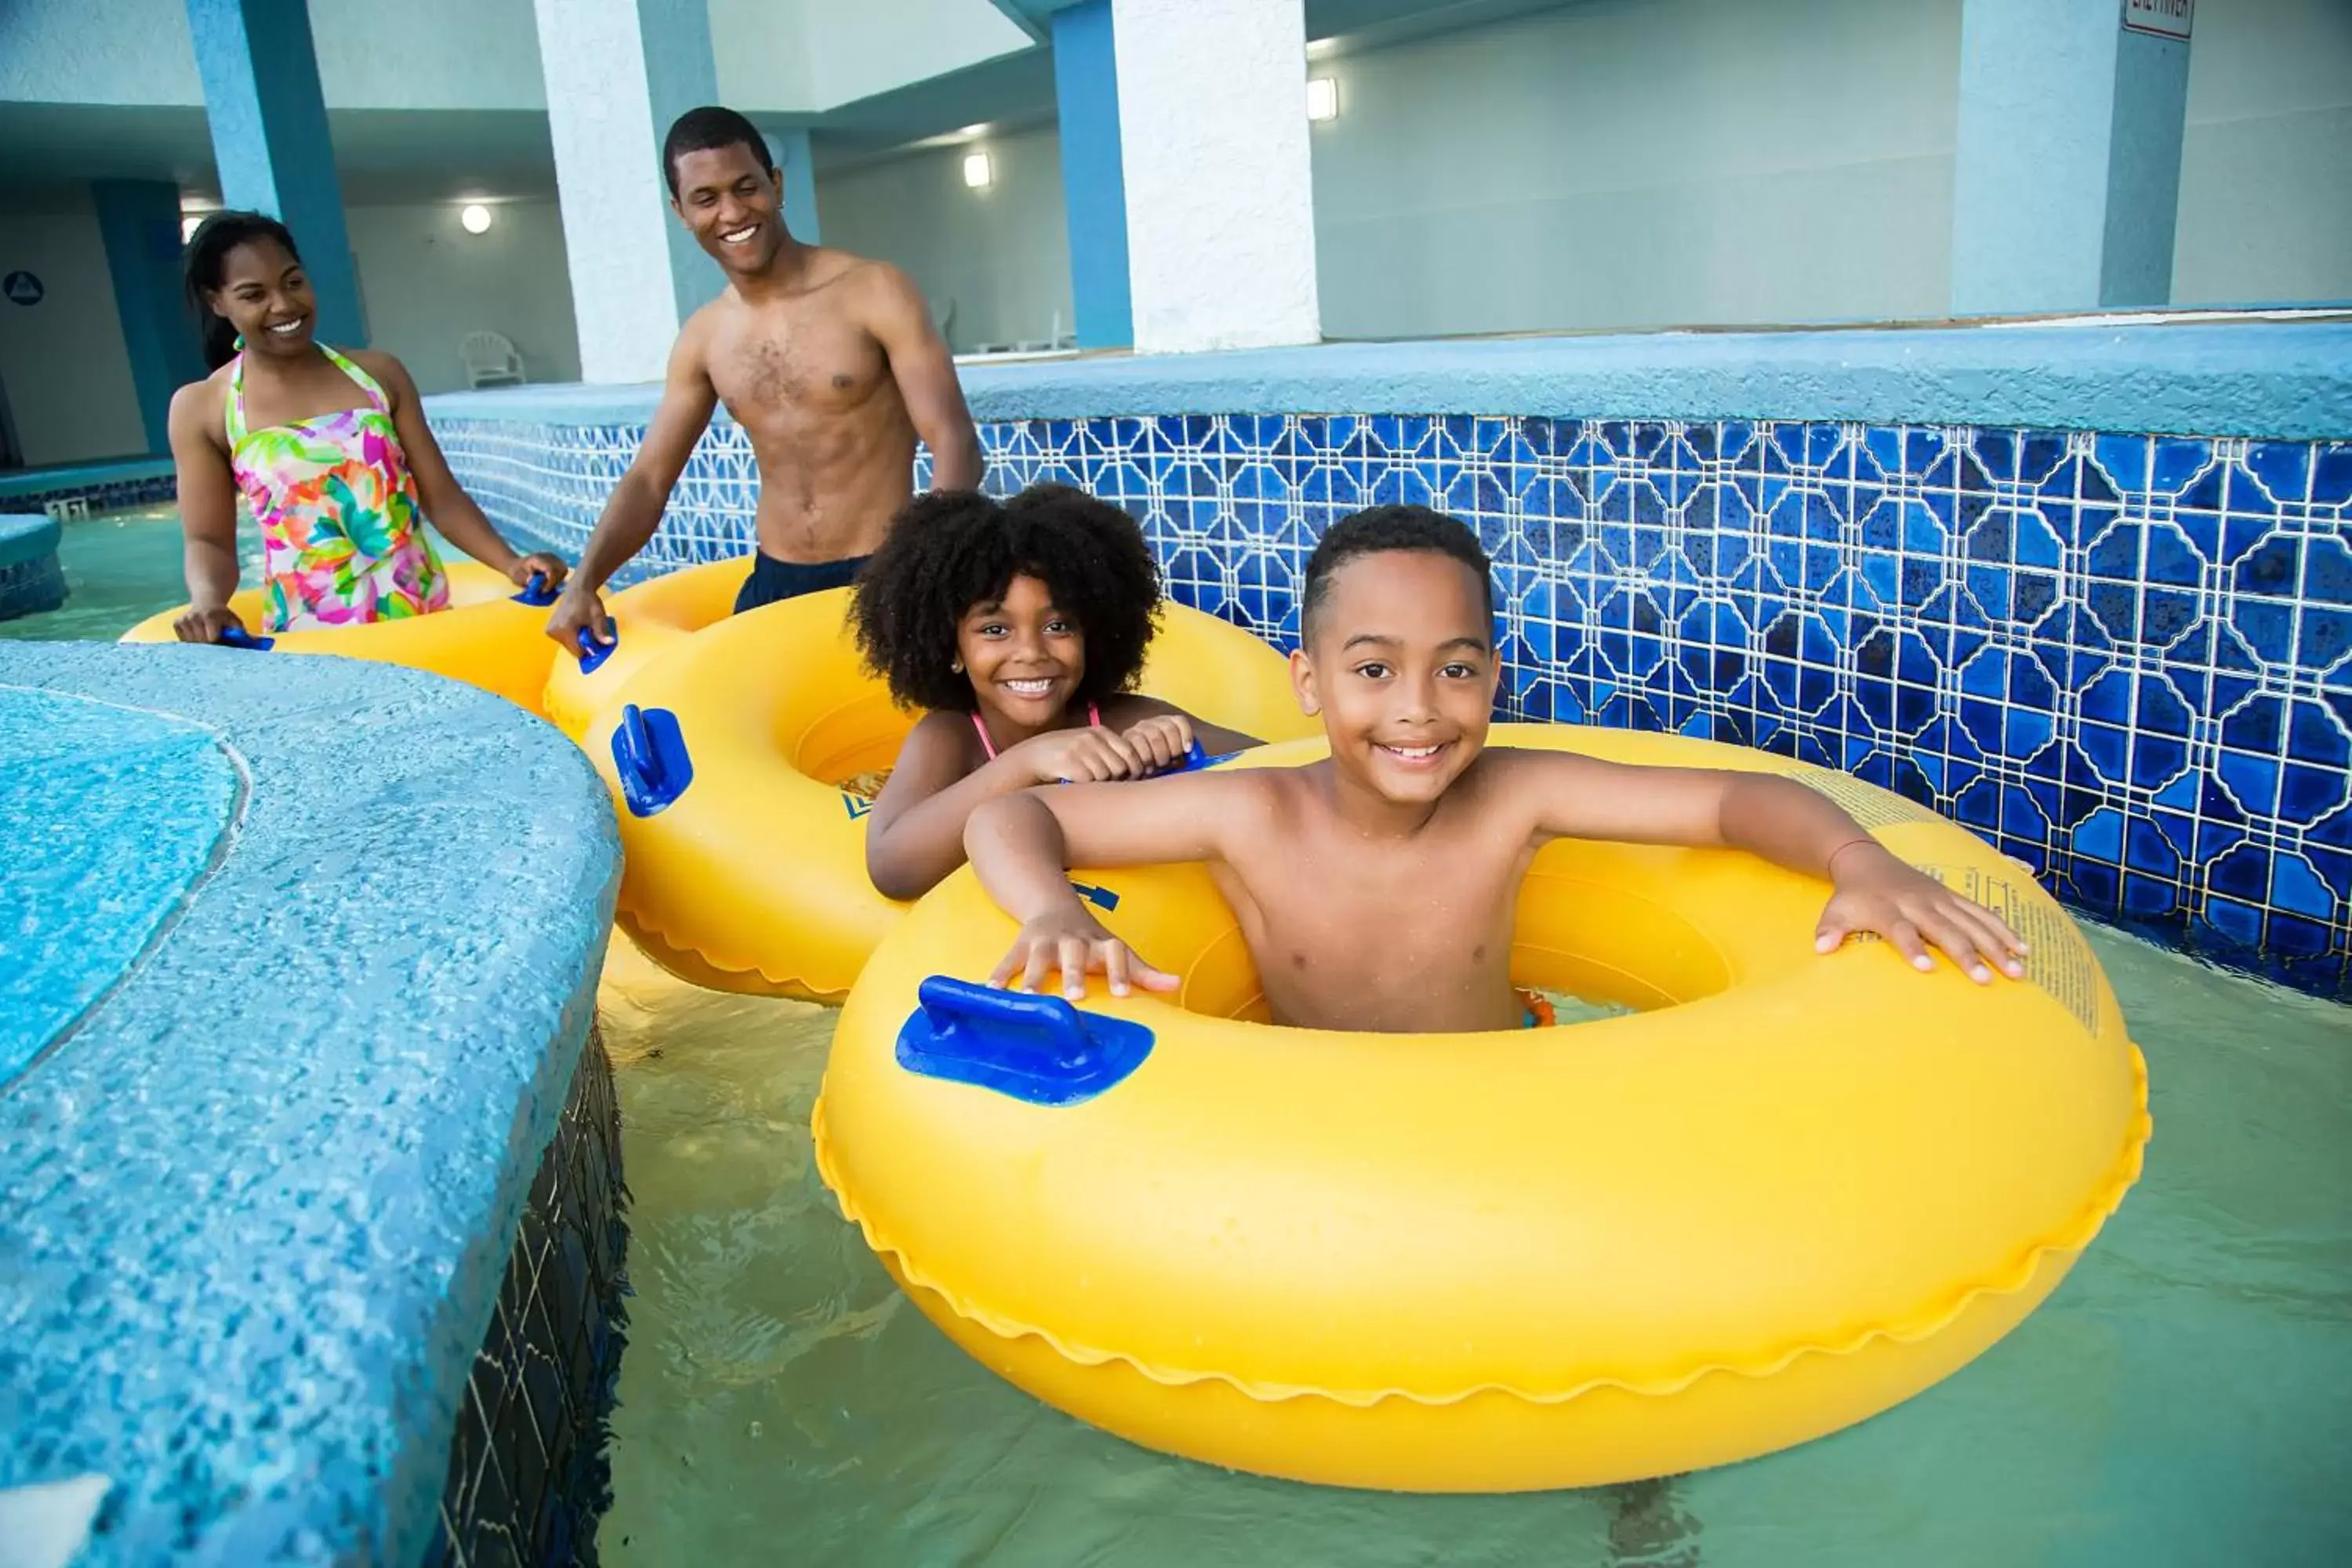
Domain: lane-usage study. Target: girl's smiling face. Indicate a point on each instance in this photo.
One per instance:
(1024, 658)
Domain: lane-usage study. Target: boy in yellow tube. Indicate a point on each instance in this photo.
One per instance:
(1376, 889)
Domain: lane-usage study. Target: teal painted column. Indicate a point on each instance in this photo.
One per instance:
(269, 121)
(798, 165)
(618, 74)
(1094, 187)
(2066, 169)
(681, 73)
(138, 221)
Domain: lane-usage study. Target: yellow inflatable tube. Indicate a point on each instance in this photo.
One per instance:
(1791, 1192)
(648, 620)
(490, 636)
(744, 859)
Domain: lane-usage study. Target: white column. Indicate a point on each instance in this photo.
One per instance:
(2066, 161)
(1220, 188)
(617, 73)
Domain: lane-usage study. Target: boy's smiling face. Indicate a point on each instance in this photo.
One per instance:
(1400, 663)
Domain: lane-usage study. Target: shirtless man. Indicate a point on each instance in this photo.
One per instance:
(1377, 888)
(828, 361)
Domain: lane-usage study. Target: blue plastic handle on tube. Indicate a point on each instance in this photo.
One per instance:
(1034, 1048)
(1194, 759)
(592, 654)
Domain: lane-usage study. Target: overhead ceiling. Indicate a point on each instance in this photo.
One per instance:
(397, 156)
(383, 156)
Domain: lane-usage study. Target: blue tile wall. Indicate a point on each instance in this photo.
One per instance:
(2125, 658)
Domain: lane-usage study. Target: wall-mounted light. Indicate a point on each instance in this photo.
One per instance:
(189, 224)
(1322, 97)
(474, 217)
(977, 174)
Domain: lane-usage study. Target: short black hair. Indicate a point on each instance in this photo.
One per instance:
(1376, 531)
(202, 265)
(706, 130)
(953, 549)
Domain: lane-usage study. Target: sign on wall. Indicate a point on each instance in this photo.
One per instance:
(2165, 18)
(23, 287)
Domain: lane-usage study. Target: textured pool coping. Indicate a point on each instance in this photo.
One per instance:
(2282, 379)
(70, 477)
(261, 1193)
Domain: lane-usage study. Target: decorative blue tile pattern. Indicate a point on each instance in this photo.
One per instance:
(2125, 658)
(528, 1472)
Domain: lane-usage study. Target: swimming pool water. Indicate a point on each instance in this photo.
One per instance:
(121, 567)
(2181, 1400)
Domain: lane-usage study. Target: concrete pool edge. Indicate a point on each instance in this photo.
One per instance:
(2283, 380)
(103, 485)
(413, 916)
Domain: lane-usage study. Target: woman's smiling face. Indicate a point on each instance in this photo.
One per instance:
(266, 296)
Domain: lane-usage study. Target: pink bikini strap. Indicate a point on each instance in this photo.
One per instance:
(1094, 722)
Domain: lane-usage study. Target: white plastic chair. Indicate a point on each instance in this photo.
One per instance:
(490, 360)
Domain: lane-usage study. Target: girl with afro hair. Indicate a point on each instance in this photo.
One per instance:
(1021, 626)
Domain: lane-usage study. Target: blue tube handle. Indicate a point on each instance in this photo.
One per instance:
(592, 654)
(237, 636)
(536, 593)
(635, 742)
(651, 760)
(1053, 1022)
(1194, 759)
(1034, 1048)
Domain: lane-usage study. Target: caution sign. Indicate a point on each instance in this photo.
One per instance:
(2163, 18)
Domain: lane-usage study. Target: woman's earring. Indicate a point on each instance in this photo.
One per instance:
(957, 667)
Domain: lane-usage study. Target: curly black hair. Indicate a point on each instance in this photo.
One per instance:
(1377, 530)
(953, 549)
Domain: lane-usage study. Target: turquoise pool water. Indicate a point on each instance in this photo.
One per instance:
(121, 567)
(2182, 1400)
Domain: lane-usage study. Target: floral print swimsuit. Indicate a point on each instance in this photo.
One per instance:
(343, 541)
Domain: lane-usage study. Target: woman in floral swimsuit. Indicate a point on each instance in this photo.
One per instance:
(330, 452)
